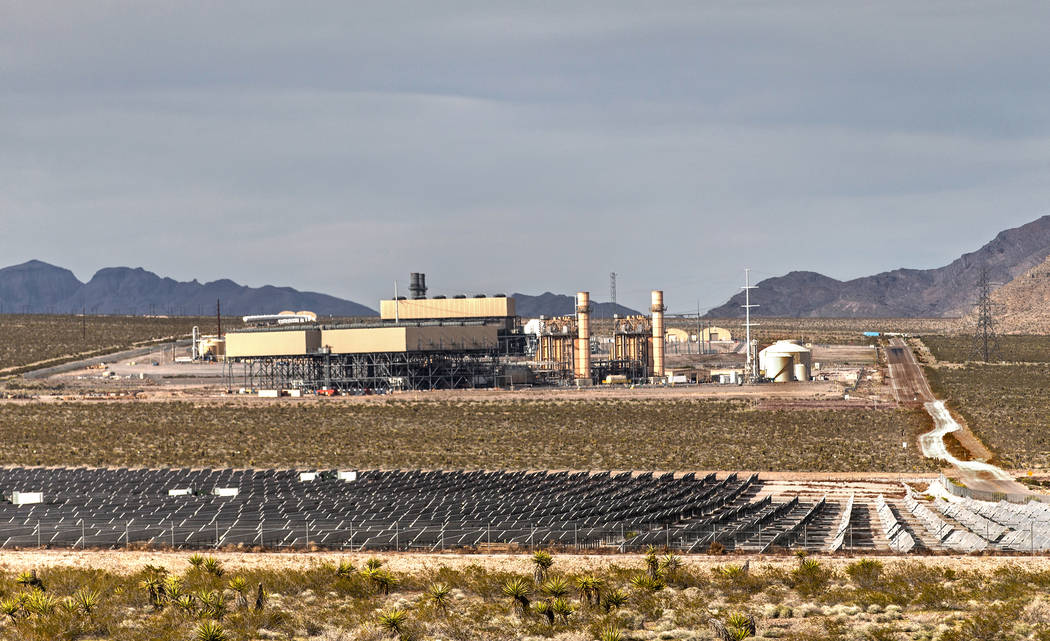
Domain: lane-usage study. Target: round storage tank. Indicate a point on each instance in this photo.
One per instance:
(801, 372)
(778, 367)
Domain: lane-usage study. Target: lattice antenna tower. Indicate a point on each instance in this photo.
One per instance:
(612, 290)
(750, 371)
(986, 334)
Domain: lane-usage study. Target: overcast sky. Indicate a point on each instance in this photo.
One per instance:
(518, 146)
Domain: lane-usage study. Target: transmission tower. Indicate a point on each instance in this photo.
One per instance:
(985, 335)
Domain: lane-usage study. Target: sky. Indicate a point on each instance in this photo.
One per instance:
(518, 146)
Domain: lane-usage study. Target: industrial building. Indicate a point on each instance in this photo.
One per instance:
(422, 343)
(417, 344)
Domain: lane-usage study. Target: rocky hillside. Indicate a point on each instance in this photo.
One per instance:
(38, 288)
(1023, 304)
(905, 293)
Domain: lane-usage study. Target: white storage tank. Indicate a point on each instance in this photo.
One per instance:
(785, 361)
(801, 372)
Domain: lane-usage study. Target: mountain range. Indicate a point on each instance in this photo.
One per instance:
(947, 291)
(36, 287)
(548, 304)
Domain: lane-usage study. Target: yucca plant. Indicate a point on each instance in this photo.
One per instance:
(154, 588)
(544, 609)
(518, 591)
(213, 604)
(647, 583)
(439, 595)
(29, 579)
(562, 608)
(670, 565)
(196, 561)
(240, 585)
(610, 633)
(68, 606)
(541, 562)
(652, 562)
(738, 626)
(213, 567)
(10, 608)
(381, 580)
(40, 604)
(394, 621)
(87, 600)
(211, 631)
(172, 587)
(373, 564)
(591, 588)
(344, 570)
(614, 600)
(186, 603)
(555, 587)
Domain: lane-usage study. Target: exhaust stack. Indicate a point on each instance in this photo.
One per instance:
(657, 310)
(583, 341)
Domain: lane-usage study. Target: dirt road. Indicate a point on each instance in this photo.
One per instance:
(906, 377)
(910, 386)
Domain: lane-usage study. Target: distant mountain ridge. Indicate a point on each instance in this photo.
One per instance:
(549, 304)
(902, 293)
(37, 287)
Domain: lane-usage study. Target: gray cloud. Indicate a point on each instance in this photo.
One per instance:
(517, 147)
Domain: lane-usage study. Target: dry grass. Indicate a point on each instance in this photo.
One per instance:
(1012, 348)
(36, 338)
(660, 435)
(1004, 406)
(311, 599)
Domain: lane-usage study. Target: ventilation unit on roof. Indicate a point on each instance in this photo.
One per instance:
(225, 491)
(307, 476)
(180, 491)
(347, 475)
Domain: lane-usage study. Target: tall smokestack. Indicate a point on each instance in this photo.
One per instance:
(657, 310)
(583, 340)
(417, 285)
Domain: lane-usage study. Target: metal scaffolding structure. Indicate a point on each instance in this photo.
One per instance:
(413, 370)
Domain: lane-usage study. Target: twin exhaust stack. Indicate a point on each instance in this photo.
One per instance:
(582, 351)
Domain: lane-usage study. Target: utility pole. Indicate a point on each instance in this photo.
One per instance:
(699, 333)
(750, 374)
(218, 318)
(612, 291)
(986, 335)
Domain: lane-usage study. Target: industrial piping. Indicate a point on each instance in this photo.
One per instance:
(657, 310)
(583, 340)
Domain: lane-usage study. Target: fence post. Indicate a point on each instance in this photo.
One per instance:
(575, 537)
(488, 534)
(397, 536)
(127, 534)
(308, 534)
(805, 537)
(351, 535)
(850, 537)
(83, 535)
(216, 535)
(38, 533)
(442, 537)
(173, 534)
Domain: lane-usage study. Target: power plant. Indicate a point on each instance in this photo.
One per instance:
(422, 343)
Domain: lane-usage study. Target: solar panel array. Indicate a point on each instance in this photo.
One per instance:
(433, 510)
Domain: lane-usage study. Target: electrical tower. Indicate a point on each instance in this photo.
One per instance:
(612, 290)
(985, 335)
(750, 369)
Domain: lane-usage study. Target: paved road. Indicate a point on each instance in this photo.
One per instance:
(910, 386)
